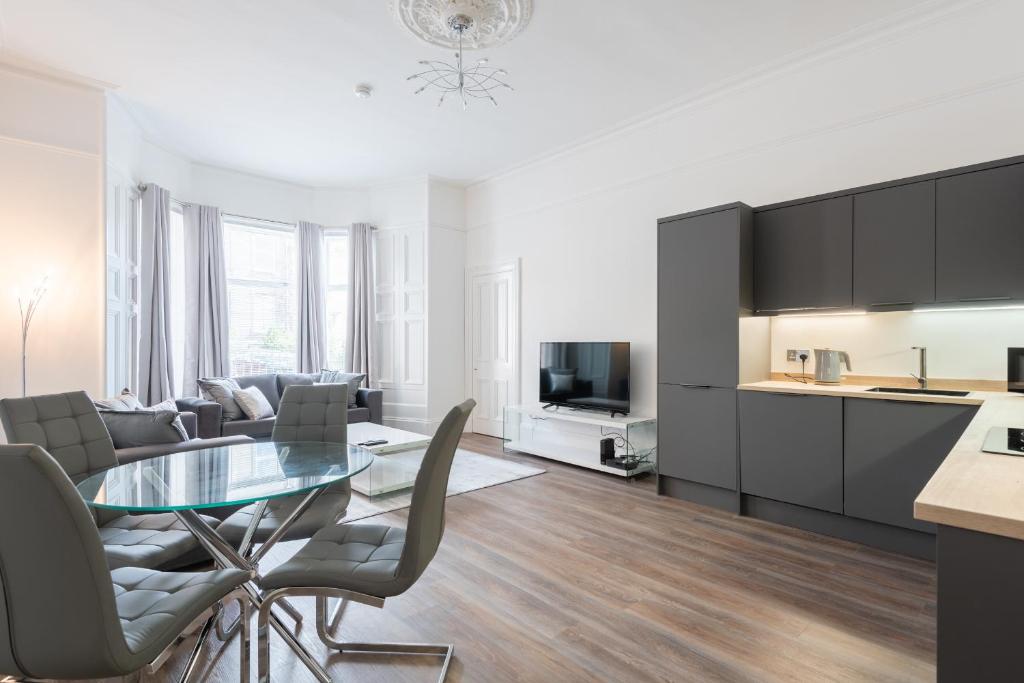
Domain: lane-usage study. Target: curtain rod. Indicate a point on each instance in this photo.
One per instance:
(142, 188)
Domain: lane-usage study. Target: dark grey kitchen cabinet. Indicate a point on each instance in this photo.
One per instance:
(697, 434)
(803, 256)
(892, 448)
(699, 299)
(791, 448)
(979, 235)
(894, 247)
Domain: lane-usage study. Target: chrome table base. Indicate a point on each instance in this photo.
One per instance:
(227, 556)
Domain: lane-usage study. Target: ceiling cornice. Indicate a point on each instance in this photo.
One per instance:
(16, 63)
(872, 34)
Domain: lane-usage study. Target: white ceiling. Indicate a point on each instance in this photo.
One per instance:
(265, 86)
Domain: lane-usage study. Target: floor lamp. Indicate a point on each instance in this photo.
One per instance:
(27, 309)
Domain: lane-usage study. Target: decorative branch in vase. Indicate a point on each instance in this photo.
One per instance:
(28, 309)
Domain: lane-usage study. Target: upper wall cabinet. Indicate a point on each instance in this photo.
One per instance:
(803, 256)
(699, 292)
(979, 238)
(894, 247)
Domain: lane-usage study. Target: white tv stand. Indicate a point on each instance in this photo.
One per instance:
(574, 436)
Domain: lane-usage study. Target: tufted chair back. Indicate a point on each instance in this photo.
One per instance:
(67, 426)
(426, 512)
(317, 412)
(58, 618)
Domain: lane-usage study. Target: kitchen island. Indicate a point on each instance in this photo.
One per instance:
(976, 502)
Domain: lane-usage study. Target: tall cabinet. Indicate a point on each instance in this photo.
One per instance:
(708, 342)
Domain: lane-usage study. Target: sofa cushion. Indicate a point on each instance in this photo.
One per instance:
(286, 379)
(126, 400)
(358, 415)
(253, 403)
(126, 455)
(129, 432)
(267, 383)
(131, 428)
(220, 389)
(352, 379)
(253, 428)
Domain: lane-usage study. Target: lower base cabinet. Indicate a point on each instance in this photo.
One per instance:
(697, 434)
(891, 450)
(791, 448)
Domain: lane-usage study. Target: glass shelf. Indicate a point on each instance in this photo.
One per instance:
(574, 436)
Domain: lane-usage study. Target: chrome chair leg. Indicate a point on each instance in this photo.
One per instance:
(245, 616)
(263, 621)
(242, 624)
(322, 594)
(336, 616)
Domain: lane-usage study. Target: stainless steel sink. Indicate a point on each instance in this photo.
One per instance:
(922, 392)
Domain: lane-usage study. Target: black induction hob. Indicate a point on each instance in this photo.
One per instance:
(1004, 440)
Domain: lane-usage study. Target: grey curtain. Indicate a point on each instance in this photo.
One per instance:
(312, 349)
(156, 372)
(361, 323)
(206, 297)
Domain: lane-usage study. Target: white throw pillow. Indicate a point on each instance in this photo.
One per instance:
(253, 403)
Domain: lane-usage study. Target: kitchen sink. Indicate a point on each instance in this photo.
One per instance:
(922, 392)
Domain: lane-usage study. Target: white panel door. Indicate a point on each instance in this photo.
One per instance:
(122, 327)
(494, 344)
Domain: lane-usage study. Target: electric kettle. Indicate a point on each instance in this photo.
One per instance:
(826, 365)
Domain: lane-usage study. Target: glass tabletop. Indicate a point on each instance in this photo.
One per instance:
(224, 476)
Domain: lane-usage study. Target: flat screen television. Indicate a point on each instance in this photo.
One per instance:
(590, 375)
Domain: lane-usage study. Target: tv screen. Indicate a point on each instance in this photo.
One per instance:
(591, 375)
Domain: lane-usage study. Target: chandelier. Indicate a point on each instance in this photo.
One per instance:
(478, 81)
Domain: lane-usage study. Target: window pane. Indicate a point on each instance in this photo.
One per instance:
(337, 260)
(336, 265)
(261, 299)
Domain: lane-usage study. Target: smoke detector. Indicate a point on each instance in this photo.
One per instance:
(363, 91)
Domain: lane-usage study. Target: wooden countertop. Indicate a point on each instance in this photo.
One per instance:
(974, 398)
(971, 489)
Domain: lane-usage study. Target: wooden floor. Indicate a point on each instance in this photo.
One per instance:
(579, 576)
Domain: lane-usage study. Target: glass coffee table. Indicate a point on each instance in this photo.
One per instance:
(230, 476)
(387, 474)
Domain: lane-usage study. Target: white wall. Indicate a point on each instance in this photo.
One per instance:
(51, 217)
(446, 276)
(941, 92)
(961, 344)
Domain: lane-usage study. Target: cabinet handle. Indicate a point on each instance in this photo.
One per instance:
(892, 303)
(986, 298)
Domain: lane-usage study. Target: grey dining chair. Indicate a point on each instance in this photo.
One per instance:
(368, 563)
(69, 427)
(317, 412)
(64, 614)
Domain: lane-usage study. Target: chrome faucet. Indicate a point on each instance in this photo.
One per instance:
(922, 376)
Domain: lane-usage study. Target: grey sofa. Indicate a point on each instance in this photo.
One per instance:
(210, 422)
(190, 421)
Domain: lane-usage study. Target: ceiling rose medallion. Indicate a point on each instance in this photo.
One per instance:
(463, 25)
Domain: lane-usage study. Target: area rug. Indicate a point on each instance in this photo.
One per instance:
(470, 472)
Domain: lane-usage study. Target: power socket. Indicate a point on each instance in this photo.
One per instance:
(793, 355)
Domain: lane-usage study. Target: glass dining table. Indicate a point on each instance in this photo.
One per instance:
(227, 477)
